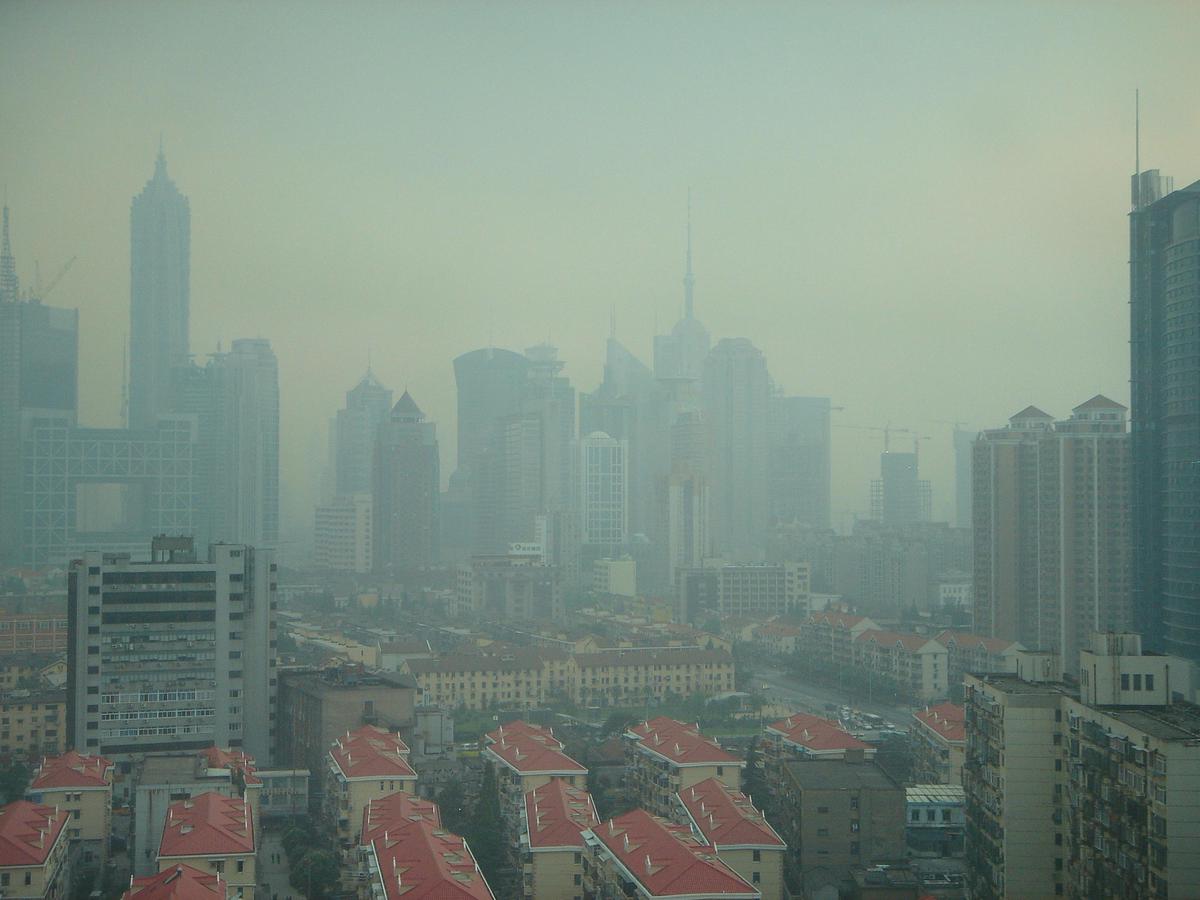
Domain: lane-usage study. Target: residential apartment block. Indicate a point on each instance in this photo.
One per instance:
(33, 851)
(527, 757)
(640, 855)
(612, 677)
(805, 736)
(761, 591)
(182, 882)
(741, 836)
(32, 723)
(215, 835)
(664, 756)
(364, 765)
(938, 741)
(555, 816)
(915, 666)
(424, 860)
(82, 787)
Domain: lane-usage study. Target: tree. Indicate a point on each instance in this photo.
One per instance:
(485, 831)
(754, 780)
(316, 873)
(452, 801)
(14, 778)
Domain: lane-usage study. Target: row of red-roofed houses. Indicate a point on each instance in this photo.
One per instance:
(919, 667)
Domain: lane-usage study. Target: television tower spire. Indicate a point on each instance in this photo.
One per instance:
(689, 280)
(9, 287)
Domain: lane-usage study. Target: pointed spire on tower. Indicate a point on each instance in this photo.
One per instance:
(160, 162)
(689, 280)
(612, 322)
(9, 286)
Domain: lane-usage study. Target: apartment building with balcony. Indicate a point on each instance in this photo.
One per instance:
(517, 678)
(805, 736)
(938, 739)
(420, 861)
(637, 675)
(664, 756)
(32, 723)
(968, 652)
(33, 851)
(827, 639)
(364, 765)
(81, 786)
(914, 665)
(645, 856)
(215, 835)
(179, 883)
(739, 833)
(554, 818)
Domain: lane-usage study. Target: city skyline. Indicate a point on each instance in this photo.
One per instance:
(753, 205)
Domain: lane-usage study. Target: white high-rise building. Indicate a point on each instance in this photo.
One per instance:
(175, 654)
(603, 495)
(342, 537)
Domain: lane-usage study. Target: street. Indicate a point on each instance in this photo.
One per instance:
(787, 689)
(273, 876)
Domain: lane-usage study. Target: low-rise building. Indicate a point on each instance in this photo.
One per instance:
(938, 742)
(615, 577)
(914, 665)
(215, 835)
(555, 816)
(394, 654)
(33, 851)
(364, 765)
(391, 814)
(805, 736)
(825, 644)
(741, 836)
(81, 786)
(644, 856)
(34, 632)
(527, 757)
(516, 587)
(178, 883)
(975, 653)
(778, 638)
(665, 756)
(516, 678)
(637, 675)
(32, 723)
(840, 815)
(935, 817)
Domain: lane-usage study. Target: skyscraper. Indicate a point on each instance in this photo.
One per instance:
(736, 393)
(681, 353)
(799, 459)
(159, 273)
(406, 489)
(1051, 531)
(603, 499)
(963, 440)
(1164, 307)
(899, 497)
(368, 404)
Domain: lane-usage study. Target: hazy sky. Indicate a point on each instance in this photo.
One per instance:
(916, 208)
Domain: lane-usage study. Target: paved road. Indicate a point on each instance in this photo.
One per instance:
(273, 876)
(787, 689)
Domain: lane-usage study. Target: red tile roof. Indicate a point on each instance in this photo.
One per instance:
(28, 832)
(910, 642)
(726, 817)
(71, 770)
(425, 862)
(948, 720)
(234, 760)
(816, 735)
(557, 815)
(179, 882)
(668, 860)
(839, 619)
(521, 728)
(680, 743)
(530, 754)
(780, 629)
(208, 825)
(392, 814)
(372, 752)
(969, 641)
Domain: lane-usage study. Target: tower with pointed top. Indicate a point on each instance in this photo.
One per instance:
(159, 279)
(681, 353)
(405, 487)
(9, 286)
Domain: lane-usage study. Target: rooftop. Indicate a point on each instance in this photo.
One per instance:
(208, 825)
(815, 734)
(179, 882)
(967, 640)
(668, 860)
(653, 656)
(1177, 722)
(935, 793)
(28, 832)
(948, 720)
(71, 770)
(680, 743)
(425, 862)
(910, 642)
(233, 760)
(372, 752)
(529, 754)
(834, 775)
(727, 817)
(557, 814)
(392, 814)
(337, 679)
(521, 728)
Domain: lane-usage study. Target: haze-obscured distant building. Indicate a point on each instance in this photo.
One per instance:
(799, 460)
(603, 497)
(355, 426)
(342, 534)
(407, 487)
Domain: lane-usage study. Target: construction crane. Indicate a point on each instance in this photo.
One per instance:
(886, 430)
(37, 293)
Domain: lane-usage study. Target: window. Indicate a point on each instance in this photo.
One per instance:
(1149, 682)
(1058, 765)
(241, 865)
(822, 809)
(1124, 682)
(755, 877)
(3, 879)
(578, 878)
(930, 815)
(854, 848)
(822, 832)
(1137, 682)
(916, 815)
(29, 878)
(945, 815)
(720, 770)
(758, 856)
(854, 803)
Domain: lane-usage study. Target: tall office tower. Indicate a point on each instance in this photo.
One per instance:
(550, 397)
(798, 461)
(368, 404)
(736, 391)
(963, 441)
(1052, 528)
(160, 252)
(39, 376)
(491, 388)
(406, 488)
(172, 654)
(1164, 306)
(898, 496)
(681, 353)
(687, 501)
(603, 497)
